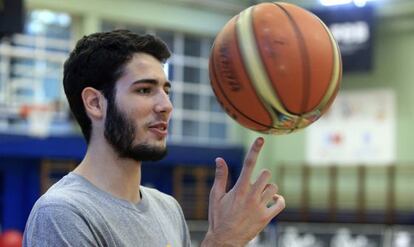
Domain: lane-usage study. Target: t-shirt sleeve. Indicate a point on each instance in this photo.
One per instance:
(57, 225)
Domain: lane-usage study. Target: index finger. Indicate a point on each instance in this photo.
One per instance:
(250, 162)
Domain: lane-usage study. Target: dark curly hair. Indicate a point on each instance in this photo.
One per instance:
(98, 61)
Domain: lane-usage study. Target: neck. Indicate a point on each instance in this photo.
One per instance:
(106, 170)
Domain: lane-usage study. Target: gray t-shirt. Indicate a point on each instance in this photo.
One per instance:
(74, 212)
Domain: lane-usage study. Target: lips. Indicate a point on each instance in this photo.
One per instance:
(160, 129)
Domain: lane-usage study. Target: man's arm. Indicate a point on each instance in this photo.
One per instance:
(237, 216)
(54, 225)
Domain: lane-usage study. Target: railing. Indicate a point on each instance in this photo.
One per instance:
(357, 194)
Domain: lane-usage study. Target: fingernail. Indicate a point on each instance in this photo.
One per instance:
(218, 163)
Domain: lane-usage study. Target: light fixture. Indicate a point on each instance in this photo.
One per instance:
(359, 3)
(334, 2)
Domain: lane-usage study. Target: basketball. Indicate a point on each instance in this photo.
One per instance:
(275, 68)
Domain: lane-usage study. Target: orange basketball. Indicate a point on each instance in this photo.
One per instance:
(275, 68)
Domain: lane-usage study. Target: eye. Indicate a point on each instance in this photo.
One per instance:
(144, 90)
(167, 90)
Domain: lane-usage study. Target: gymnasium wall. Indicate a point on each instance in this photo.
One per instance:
(156, 14)
(393, 65)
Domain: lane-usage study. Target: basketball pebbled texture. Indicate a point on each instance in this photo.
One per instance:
(275, 68)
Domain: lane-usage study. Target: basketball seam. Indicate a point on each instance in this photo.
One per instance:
(235, 108)
(255, 68)
(303, 50)
(225, 96)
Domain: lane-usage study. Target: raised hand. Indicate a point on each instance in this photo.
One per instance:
(237, 216)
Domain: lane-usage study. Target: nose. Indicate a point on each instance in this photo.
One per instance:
(163, 104)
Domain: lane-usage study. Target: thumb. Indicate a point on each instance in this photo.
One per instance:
(220, 180)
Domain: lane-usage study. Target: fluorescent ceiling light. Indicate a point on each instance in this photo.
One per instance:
(334, 2)
(359, 3)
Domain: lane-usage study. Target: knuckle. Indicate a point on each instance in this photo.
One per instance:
(219, 175)
(266, 174)
(212, 193)
(249, 161)
(240, 192)
(282, 202)
(253, 200)
(256, 148)
(273, 188)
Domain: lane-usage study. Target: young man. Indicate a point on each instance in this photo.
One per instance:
(118, 92)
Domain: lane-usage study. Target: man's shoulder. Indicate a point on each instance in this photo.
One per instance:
(58, 216)
(56, 198)
(67, 192)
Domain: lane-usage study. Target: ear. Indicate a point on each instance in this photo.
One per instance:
(94, 102)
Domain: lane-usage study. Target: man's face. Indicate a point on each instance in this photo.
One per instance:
(136, 123)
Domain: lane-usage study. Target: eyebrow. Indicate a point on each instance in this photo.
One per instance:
(150, 81)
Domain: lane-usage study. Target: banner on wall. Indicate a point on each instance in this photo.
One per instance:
(353, 29)
(358, 129)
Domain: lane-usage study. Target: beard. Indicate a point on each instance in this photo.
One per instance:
(120, 133)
